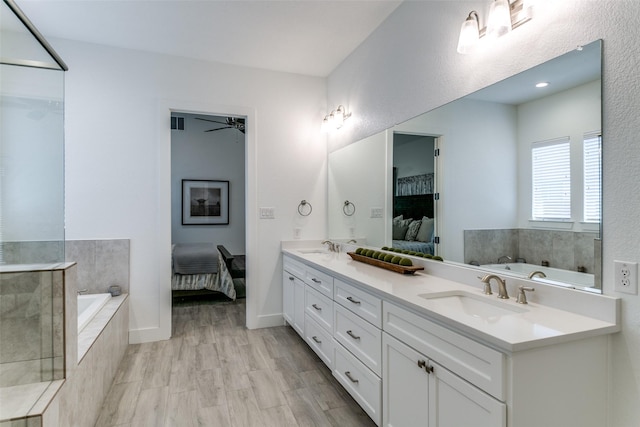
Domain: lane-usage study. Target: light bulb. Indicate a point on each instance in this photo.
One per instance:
(469, 34)
(499, 22)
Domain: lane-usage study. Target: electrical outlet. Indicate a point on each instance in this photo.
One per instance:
(297, 232)
(626, 277)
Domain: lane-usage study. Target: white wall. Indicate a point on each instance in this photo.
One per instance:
(420, 39)
(118, 170)
(351, 169)
(481, 193)
(569, 113)
(219, 155)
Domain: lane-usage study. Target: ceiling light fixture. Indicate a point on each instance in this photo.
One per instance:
(335, 119)
(504, 16)
(542, 84)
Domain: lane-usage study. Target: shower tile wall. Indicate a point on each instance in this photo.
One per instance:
(563, 249)
(31, 329)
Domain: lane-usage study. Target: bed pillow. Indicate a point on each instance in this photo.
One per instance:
(426, 230)
(399, 230)
(412, 231)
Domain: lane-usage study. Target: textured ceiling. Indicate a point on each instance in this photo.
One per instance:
(298, 36)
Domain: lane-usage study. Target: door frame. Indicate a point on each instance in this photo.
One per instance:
(163, 211)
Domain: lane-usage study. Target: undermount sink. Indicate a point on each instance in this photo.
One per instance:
(314, 251)
(467, 303)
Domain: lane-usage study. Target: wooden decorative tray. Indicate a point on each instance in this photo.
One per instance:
(386, 265)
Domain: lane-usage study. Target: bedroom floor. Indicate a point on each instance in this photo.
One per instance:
(215, 372)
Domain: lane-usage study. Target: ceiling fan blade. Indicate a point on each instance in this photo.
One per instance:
(209, 120)
(211, 130)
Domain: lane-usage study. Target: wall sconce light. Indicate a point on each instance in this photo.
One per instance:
(335, 119)
(504, 16)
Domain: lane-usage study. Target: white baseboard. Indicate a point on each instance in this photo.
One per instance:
(139, 336)
(269, 321)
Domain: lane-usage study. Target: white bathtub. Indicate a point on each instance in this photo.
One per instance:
(88, 306)
(555, 276)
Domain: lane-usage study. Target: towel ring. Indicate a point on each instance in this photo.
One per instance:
(348, 208)
(302, 206)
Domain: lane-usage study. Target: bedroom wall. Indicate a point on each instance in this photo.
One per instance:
(219, 155)
(117, 156)
(412, 155)
(368, 83)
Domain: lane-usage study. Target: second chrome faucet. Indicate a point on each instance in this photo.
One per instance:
(502, 286)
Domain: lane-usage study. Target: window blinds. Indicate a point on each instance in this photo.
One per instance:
(551, 179)
(592, 176)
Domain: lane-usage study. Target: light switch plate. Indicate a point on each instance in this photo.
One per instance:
(267, 213)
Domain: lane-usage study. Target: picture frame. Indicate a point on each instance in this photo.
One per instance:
(205, 202)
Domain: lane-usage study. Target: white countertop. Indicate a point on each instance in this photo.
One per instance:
(536, 326)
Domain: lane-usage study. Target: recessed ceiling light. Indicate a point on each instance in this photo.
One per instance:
(542, 84)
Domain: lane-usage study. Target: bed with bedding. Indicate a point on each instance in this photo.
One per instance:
(200, 266)
(413, 223)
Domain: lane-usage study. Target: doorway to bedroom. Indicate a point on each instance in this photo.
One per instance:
(208, 204)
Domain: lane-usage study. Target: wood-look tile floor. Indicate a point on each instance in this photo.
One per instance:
(215, 372)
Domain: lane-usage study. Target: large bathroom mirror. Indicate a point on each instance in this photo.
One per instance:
(515, 187)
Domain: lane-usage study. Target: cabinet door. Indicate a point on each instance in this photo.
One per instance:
(454, 402)
(298, 306)
(405, 385)
(288, 296)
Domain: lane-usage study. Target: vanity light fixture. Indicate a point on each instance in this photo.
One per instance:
(504, 16)
(335, 119)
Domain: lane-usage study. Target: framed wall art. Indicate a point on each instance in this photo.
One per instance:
(205, 202)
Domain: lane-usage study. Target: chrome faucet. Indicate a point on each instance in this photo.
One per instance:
(504, 259)
(536, 273)
(502, 286)
(82, 291)
(332, 246)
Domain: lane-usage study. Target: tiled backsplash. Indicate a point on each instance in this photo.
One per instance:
(567, 250)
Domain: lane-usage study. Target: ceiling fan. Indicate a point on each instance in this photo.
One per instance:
(230, 123)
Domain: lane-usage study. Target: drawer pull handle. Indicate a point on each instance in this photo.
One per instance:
(316, 307)
(316, 280)
(422, 364)
(316, 339)
(353, 380)
(429, 369)
(353, 300)
(352, 335)
(291, 278)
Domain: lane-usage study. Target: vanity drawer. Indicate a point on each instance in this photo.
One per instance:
(365, 305)
(362, 384)
(293, 267)
(320, 340)
(482, 366)
(319, 308)
(359, 337)
(320, 281)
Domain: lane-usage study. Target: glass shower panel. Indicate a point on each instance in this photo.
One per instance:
(31, 165)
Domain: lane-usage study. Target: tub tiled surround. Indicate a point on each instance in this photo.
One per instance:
(32, 332)
(101, 263)
(102, 346)
(567, 250)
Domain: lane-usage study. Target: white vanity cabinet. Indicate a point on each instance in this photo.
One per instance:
(432, 395)
(406, 367)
